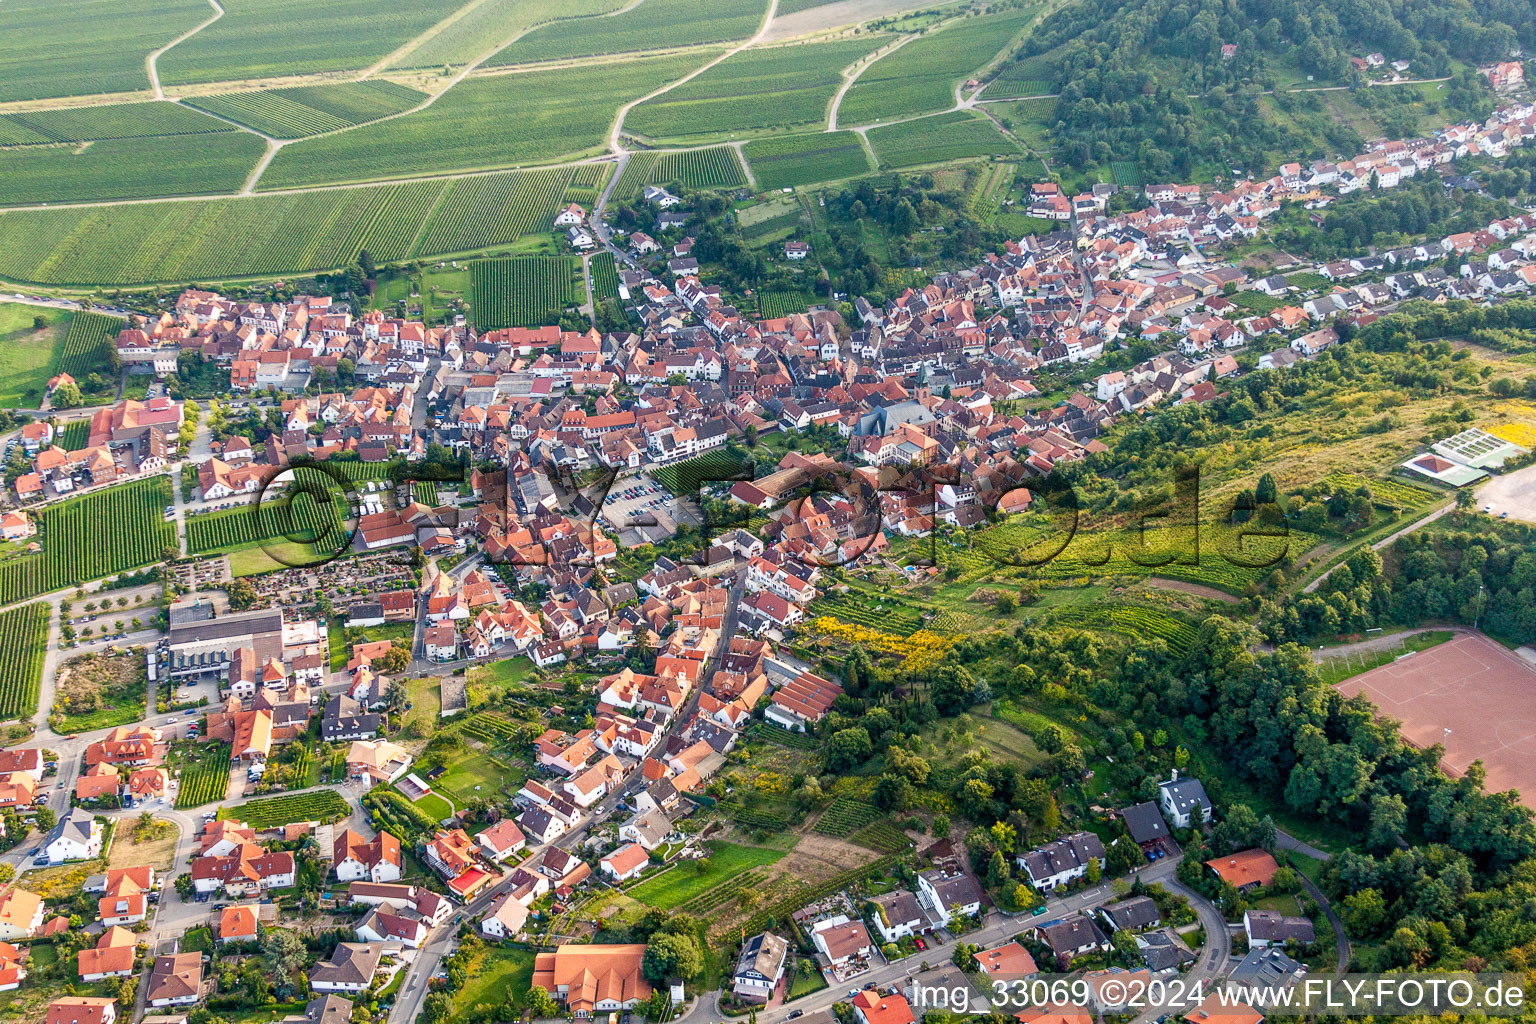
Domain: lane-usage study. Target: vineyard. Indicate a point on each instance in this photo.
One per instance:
(206, 240)
(103, 123)
(490, 728)
(686, 477)
(75, 435)
(484, 122)
(877, 611)
(756, 89)
(757, 818)
(89, 345)
(128, 168)
(882, 837)
(206, 780)
(320, 805)
(526, 291)
(605, 275)
(711, 900)
(1137, 623)
(920, 77)
(658, 24)
(77, 47)
(789, 160)
(23, 648)
(303, 518)
(782, 303)
(932, 140)
(76, 549)
(307, 110)
(1384, 493)
(845, 816)
(798, 895)
(700, 168)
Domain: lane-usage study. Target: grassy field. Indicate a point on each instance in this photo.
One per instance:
(525, 291)
(119, 681)
(653, 25)
(127, 168)
(685, 881)
(28, 355)
(790, 160)
(206, 240)
(294, 113)
(932, 140)
(921, 76)
(773, 87)
(74, 47)
(484, 122)
(298, 37)
(502, 973)
(1336, 669)
(479, 775)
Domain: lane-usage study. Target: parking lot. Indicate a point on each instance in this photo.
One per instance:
(1510, 495)
(632, 501)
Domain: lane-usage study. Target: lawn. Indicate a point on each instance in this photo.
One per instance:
(502, 674)
(685, 881)
(436, 806)
(28, 355)
(501, 973)
(479, 774)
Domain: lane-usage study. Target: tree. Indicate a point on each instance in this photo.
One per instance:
(848, 749)
(242, 595)
(669, 954)
(396, 696)
(44, 819)
(437, 1006)
(284, 956)
(66, 395)
(1466, 501)
(366, 265)
(541, 1003)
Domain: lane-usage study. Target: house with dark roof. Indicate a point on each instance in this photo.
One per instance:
(1072, 937)
(1062, 861)
(1145, 823)
(1134, 914)
(759, 967)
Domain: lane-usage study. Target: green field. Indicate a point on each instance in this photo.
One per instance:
(775, 87)
(75, 548)
(653, 25)
(127, 168)
(788, 160)
(685, 880)
(75, 47)
(932, 140)
(920, 76)
(503, 973)
(526, 291)
(294, 113)
(23, 647)
(488, 121)
(270, 812)
(27, 355)
(269, 38)
(208, 240)
(489, 25)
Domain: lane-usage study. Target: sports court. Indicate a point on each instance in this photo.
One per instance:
(1480, 691)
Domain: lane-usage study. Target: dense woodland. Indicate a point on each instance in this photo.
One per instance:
(1145, 81)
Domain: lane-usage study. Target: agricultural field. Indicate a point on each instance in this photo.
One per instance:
(101, 123)
(1137, 623)
(28, 355)
(846, 816)
(716, 167)
(127, 168)
(1384, 493)
(482, 29)
(684, 881)
(74, 436)
(484, 122)
(605, 275)
(209, 240)
(77, 47)
(271, 812)
(302, 38)
(920, 77)
(23, 647)
(307, 110)
(771, 220)
(689, 475)
(89, 347)
(792, 160)
(932, 140)
(205, 778)
(525, 291)
(301, 518)
(653, 25)
(756, 89)
(74, 549)
(782, 303)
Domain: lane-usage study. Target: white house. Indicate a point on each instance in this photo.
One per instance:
(1179, 797)
(76, 836)
(624, 863)
(950, 896)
